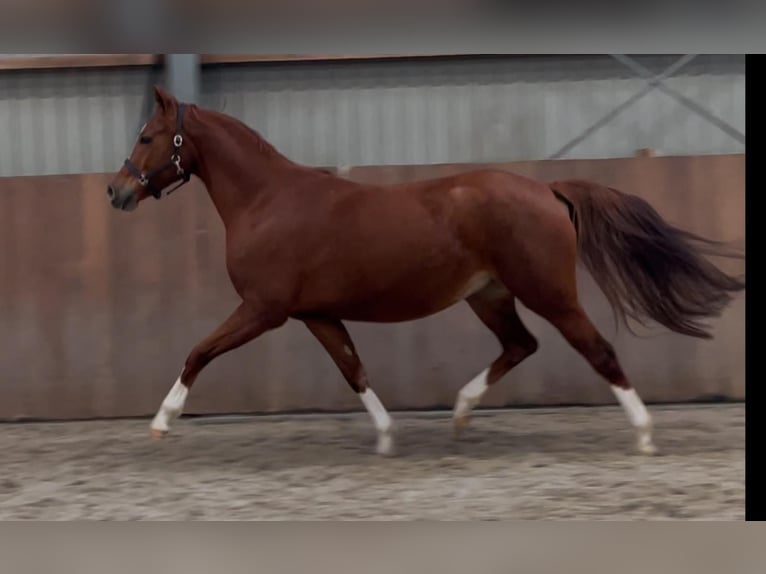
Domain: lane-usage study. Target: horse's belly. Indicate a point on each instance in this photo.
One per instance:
(408, 301)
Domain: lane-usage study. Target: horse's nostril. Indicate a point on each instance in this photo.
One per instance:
(109, 191)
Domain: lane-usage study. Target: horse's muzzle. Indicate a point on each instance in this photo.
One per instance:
(121, 198)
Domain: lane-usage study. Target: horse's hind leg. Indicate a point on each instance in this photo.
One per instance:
(496, 308)
(334, 337)
(580, 332)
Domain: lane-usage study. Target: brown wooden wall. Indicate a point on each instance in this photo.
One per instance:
(98, 309)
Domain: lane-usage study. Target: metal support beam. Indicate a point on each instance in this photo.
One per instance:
(182, 76)
(652, 83)
(692, 105)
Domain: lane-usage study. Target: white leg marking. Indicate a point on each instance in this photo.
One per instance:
(638, 416)
(381, 419)
(468, 397)
(170, 408)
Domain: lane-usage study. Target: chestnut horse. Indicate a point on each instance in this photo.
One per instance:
(305, 244)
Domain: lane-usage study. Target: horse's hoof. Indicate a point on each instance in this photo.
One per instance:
(385, 446)
(460, 424)
(645, 444)
(647, 449)
(157, 434)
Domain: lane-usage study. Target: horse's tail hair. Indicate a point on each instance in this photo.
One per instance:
(646, 267)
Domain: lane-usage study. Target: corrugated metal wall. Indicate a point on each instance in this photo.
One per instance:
(499, 109)
(69, 121)
(383, 112)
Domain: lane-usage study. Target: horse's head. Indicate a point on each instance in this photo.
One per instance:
(160, 158)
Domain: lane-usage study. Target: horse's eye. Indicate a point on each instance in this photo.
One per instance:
(146, 139)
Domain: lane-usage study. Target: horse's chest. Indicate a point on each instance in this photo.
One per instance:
(258, 265)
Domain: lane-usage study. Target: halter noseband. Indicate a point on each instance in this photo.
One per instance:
(145, 179)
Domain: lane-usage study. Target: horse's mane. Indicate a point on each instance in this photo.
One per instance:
(261, 143)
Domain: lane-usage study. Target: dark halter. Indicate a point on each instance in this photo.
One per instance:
(145, 179)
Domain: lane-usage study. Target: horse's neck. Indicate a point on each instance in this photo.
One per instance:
(236, 165)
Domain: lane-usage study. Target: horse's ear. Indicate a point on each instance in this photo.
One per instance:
(164, 99)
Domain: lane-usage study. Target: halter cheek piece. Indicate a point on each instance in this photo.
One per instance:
(145, 179)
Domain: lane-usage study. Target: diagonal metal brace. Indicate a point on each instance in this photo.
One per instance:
(689, 103)
(652, 83)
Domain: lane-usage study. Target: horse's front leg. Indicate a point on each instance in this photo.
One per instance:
(334, 337)
(246, 323)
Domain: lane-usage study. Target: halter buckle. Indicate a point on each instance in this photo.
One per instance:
(176, 159)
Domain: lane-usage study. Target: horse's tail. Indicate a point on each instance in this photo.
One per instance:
(646, 267)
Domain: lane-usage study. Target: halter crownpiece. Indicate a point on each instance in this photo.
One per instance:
(145, 179)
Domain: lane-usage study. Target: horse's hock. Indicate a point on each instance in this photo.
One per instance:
(99, 310)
